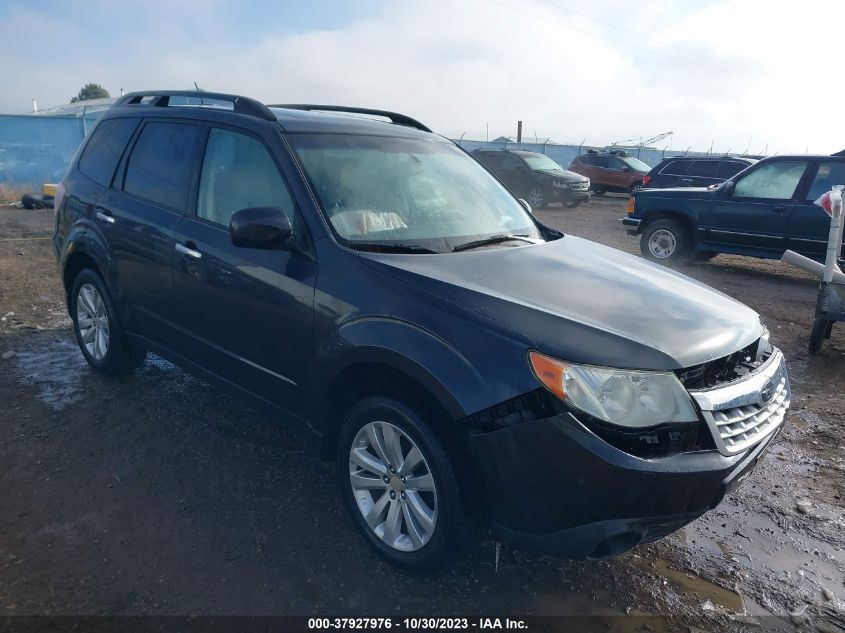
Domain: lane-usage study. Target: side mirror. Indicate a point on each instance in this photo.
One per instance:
(527, 206)
(626, 168)
(260, 227)
(729, 187)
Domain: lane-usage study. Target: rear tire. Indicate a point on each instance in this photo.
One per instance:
(414, 528)
(667, 241)
(98, 330)
(635, 188)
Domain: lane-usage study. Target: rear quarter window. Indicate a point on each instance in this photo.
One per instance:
(676, 168)
(105, 147)
(704, 168)
(159, 168)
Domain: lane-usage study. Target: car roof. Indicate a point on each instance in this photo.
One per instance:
(307, 118)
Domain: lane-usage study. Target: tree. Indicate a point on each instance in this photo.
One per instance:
(91, 91)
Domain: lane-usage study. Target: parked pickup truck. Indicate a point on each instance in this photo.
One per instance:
(760, 212)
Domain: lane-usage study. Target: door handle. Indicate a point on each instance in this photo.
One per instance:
(779, 208)
(186, 249)
(105, 216)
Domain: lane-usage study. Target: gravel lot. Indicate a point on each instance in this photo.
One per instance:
(156, 494)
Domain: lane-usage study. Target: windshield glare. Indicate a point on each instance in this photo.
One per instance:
(407, 192)
(538, 161)
(636, 164)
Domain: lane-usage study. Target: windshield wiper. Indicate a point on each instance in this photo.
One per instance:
(380, 247)
(493, 239)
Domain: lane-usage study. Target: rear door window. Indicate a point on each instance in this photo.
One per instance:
(601, 161)
(108, 140)
(772, 181)
(704, 168)
(676, 168)
(159, 168)
(490, 160)
(729, 168)
(828, 174)
(511, 162)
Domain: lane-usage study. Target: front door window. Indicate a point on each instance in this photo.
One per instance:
(772, 181)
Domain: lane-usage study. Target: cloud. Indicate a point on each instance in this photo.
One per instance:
(570, 70)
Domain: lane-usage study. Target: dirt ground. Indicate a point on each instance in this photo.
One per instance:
(156, 494)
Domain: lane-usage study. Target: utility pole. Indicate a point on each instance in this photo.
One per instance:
(519, 131)
(34, 105)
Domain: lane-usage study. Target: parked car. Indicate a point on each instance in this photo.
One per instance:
(760, 212)
(466, 367)
(611, 171)
(702, 171)
(536, 177)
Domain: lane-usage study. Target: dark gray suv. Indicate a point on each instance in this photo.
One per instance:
(467, 368)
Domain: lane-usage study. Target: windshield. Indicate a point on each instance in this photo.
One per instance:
(635, 163)
(406, 193)
(538, 161)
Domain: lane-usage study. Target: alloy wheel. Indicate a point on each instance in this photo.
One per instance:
(393, 486)
(662, 244)
(536, 198)
(93, 321)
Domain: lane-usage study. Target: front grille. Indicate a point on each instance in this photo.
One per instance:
(744, 412)
(741, 427)
(579, 186)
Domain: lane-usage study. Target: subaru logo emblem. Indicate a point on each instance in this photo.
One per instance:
(767, 391)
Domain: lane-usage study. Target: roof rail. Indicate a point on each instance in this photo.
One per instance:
(395, 117)
(161, 98)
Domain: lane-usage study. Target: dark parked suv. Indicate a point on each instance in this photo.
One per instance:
(465, 367)
(702, 171)
(536, 177)
(762, 211)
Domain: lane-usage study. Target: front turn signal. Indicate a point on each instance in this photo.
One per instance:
(630, 208)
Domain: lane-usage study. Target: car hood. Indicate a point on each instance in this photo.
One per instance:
(561, 174)
(584, 302)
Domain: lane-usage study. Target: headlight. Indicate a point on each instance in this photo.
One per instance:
(624, 397)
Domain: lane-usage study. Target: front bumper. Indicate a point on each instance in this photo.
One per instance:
(554, 485)
(633, 223)
(565, 194)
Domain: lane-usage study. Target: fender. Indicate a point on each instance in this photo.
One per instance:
(400, 345)
(84, 237)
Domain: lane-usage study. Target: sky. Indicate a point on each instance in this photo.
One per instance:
(732, 75)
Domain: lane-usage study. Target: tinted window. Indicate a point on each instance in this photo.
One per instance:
(601, 161)
(238, 173)
(104, 149)
(490, 159)
(828, 174)
(676, 168)
(512, 162)
(160, 164)
(704, 168)
(586, 159)
(775, 181)
(730, 168)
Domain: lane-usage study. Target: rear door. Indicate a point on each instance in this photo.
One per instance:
(617, 174)
(514, 174)
(140, 213)
(809, 225)
(245, 313)
(756, 215)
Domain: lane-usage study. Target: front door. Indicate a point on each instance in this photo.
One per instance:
(245, 313)
(756, 214)
(809, 226)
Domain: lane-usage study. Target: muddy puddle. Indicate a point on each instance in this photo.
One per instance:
(52, 362)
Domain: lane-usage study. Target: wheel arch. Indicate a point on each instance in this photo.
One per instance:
(394, 359)
(667, 214)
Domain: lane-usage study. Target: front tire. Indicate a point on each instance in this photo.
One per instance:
(98, 330)
(667, 241)
(405, 491)
(537, 198)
